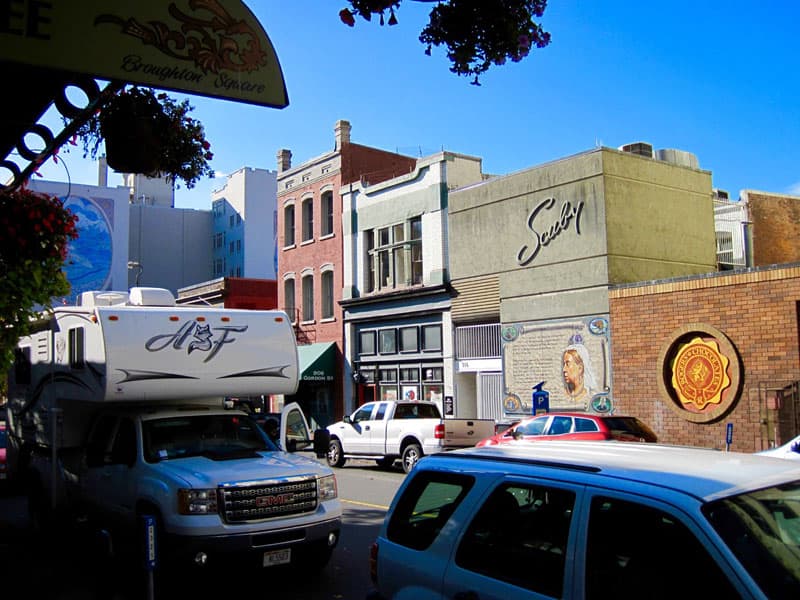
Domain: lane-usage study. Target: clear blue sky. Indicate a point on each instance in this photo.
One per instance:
(718, 79)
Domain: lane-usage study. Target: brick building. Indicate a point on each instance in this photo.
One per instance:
(310, 264)
(740, 333)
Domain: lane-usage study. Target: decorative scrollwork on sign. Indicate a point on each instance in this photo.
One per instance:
(214, 44)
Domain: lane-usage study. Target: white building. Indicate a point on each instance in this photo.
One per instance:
(396, 297)
(244, 209)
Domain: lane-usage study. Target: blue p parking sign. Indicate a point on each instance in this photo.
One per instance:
(149, 527)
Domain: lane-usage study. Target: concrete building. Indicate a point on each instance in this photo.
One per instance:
(398, 335)
(310, 268)
(245, 225)
(534, 253)
(132, 235)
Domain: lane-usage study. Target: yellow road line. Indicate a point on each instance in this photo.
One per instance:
(367, 504)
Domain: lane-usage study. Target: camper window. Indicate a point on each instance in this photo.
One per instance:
(77, 357)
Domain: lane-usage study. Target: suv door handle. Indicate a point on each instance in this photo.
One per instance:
(366, 427)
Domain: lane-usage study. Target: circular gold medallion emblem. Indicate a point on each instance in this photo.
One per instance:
(699, 373)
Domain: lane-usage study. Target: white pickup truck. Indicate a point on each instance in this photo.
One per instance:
(391, 430)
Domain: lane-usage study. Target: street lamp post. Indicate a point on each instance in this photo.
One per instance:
(133, 264)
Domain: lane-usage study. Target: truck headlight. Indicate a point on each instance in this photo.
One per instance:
(326, 488)
(197, 502)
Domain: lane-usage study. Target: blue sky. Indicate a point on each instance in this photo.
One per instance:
(718, 79)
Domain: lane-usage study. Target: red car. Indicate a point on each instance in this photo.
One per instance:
(574, 426)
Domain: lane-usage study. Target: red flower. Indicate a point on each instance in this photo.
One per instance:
(347, 17)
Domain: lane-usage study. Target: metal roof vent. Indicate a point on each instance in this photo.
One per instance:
(638, 148)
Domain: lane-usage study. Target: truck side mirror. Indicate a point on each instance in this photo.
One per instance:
(322, 439)
(347, 420)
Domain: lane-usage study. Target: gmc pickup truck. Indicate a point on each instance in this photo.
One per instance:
(391, 430)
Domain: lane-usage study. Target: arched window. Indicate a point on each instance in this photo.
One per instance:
(308, 297)
(288, 225)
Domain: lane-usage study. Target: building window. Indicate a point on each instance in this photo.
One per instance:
(409, 339)
(288, 299)
(431, 338)
(326, 211)
(366, 342)
(327, 295)
(230, 248)
(432, 374)
(394, 256)
(308, 219)
(288, 225)
(231, 220)
(308, 298)
(238, 246)
(388, 341)
(409, 375)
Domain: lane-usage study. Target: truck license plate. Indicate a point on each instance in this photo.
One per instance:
(277, 557)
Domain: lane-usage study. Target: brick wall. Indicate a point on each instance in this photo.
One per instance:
(756, 310)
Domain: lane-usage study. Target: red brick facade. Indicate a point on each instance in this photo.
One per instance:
(757, 311)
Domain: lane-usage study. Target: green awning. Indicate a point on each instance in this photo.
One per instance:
(317, 362)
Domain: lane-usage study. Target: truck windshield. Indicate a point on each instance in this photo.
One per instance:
(762, 528)
(216, 436)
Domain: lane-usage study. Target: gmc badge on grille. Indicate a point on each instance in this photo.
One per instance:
(274, 500)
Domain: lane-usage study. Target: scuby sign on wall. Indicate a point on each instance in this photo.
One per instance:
(700, 373)
(546, 222)
(213, 48)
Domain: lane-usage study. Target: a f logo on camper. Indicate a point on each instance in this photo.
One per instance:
(194, 336)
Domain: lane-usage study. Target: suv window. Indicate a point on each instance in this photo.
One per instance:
(582, 424)
(520, 536)
(560, 425)
(426, 506)
(618, 550)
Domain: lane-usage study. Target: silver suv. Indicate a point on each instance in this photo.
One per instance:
(592, 520)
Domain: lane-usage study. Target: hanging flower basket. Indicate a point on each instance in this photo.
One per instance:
(129, 126)
(149, 133)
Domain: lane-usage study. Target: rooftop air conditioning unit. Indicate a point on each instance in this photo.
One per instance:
(678, 157)
(638, 148)
(721, 194)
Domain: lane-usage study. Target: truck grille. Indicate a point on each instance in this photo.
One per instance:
(258, 500)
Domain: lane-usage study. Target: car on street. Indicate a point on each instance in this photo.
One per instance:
(790, 450)
(591, 520)
(574, 426)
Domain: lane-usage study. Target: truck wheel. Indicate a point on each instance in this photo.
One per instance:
(335, 454)
(411, 454)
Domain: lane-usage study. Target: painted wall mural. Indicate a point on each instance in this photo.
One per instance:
(88, 264)
(557, 365)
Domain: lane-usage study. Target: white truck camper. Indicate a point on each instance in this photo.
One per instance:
(117, 411)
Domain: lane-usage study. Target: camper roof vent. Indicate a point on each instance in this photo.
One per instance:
(150, 296)
(102, 298)
(638, 148)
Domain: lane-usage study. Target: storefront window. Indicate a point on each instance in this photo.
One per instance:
(389, 393)
(388, 375)
(432, 374)
(409, 374)
(433, 393)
